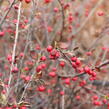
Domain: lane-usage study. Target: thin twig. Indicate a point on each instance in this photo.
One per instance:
(32, 76)
(5, 15)
(28, 42)
(14, 47)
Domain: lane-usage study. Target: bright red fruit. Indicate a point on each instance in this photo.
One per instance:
(62, 64)
(43, 58)
(2, 34)
(41, 88)
(15, 70)
(27, 1)
(78, 97)
(67, 81)
(47, 1)
(52, 74)
(49, 48)
(23, 107)
(62, 93)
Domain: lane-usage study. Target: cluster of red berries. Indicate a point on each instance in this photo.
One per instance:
(53, 53)
(90, 72)
(26, 78)
(40, 67)
(76, 63)
(97, 102)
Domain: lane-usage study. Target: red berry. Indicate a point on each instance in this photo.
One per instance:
(70, 19)
(52, 74)
(37, 47)
(2, 34)
(3, 91)
(95, 97)
(50, 29)
(56, 10)
(78, 97)
(41, 88)
(104, 101)
(88, 53)
(66, 6)
(27, 78)
(53, 52)
(57, 55)
(74, 58)
(62, 64)
(82, 83)
(39, 68)
(16, 7)
(74, 65)
(43, 58)
(21, 54)
(43, 66)
(104, 48)
(97, 103)
(67, 81)
(62, 93)
(100, 13)
(26, 69)
(15, 70)
(49, 91)
(80, 70)
(26, 20)
(27, 1)
(54, 69)
(23, 107)
(94, 74)
(78, 62)
(75, 78)
(87, 69)
(22, 77)
(49, 48)
(8, 108)
(47, 1)
(15, 106)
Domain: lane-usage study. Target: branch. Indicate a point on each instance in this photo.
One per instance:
(14, 47)
(102, 64)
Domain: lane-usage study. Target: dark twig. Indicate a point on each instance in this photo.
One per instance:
(102, 64)
(65, 56)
